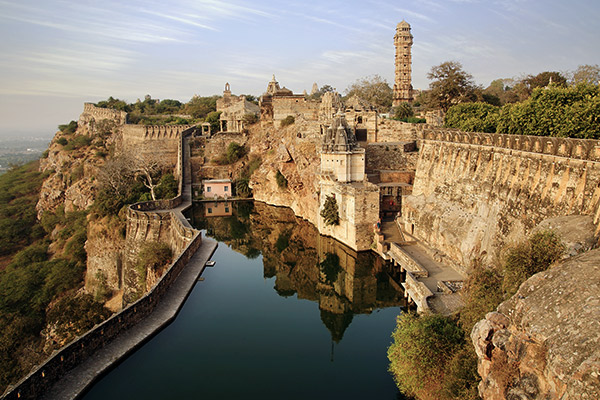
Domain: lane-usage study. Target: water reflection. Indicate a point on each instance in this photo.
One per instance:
(312, 267)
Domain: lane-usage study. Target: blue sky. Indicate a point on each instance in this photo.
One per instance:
(56, 54)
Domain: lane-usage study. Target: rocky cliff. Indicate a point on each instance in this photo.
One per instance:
(544, 342)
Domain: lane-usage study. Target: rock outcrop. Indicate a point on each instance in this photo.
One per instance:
(544, 342)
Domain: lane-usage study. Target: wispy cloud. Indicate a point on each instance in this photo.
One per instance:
(405, 12)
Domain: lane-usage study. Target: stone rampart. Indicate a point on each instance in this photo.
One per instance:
(475, 192)
(98, 113)
(62, 361)
(143, 224)
(581, 149)
(390, 130)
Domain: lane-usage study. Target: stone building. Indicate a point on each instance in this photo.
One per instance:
(403, 40)
(279, 102)
(233, 109)
(342, 176)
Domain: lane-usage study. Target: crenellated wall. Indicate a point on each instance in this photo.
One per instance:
(475, 192)
(91, 112)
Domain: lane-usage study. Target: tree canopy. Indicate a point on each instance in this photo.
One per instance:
(373, 89)
(450, 85)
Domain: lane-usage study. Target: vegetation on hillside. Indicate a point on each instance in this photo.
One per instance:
(164, 112)
(431, 356)
(42, 269)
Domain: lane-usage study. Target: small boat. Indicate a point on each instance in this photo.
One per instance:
(210, 263)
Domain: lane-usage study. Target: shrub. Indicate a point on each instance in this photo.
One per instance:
(403, 110)
(242, 189)
(528, 258)
(472, 117)
(69, 128)
(62, 141)
(289, 120)
(282, 182)
(330, 211)
(167, 187)
(78, 142)
(422, 347)
(249, 119)
(483, 293)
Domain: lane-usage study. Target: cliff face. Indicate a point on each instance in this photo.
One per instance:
(544, 342)
(294, 151)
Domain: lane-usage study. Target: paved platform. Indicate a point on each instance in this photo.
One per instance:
(84, 375)
(441, 303)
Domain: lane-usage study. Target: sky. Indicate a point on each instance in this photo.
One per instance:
(58, 54)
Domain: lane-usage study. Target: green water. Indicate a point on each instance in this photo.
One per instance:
(278, 325)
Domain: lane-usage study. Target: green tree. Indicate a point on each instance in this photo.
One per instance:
(403, 111)
(544, 79)
(373, 89)
(572, 111)
(451, 85)
(201, 107)
(330, 211)
(213, 119)
(472, 117)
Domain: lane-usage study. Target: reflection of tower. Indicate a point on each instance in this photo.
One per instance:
(403, 40)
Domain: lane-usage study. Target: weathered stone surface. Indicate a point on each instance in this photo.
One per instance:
(544, 342)
(469, 200)
(576, 232)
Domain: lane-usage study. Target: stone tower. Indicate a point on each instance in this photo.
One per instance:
(403, 40)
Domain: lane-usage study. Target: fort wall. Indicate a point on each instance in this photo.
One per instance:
(475, 192)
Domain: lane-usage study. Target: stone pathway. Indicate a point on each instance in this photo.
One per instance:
(441, 303)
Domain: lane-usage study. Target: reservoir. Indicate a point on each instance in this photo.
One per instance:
(284, 314)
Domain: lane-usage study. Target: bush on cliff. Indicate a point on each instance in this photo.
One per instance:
(287, 121)
(525, 259)
(422, 348)
(69, 128)
(282, 182)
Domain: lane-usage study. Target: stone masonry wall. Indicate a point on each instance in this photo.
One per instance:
(391, 156)
(475, 192)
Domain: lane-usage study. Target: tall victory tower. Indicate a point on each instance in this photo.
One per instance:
(403, 40)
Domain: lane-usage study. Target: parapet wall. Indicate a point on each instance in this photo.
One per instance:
(61, 362)
(476, 192)
(98, 113)
(581, 149)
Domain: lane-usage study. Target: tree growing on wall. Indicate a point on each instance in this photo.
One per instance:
(330, 211)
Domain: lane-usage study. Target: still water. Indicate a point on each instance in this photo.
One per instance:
(284, 314)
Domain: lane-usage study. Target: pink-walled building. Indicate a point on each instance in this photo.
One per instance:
(216, 188)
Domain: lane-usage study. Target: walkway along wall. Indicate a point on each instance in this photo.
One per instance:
(475, 192)
(142, 221)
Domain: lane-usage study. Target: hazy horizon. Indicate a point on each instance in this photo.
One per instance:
(58, 55)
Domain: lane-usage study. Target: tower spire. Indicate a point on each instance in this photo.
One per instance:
(403, 40)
